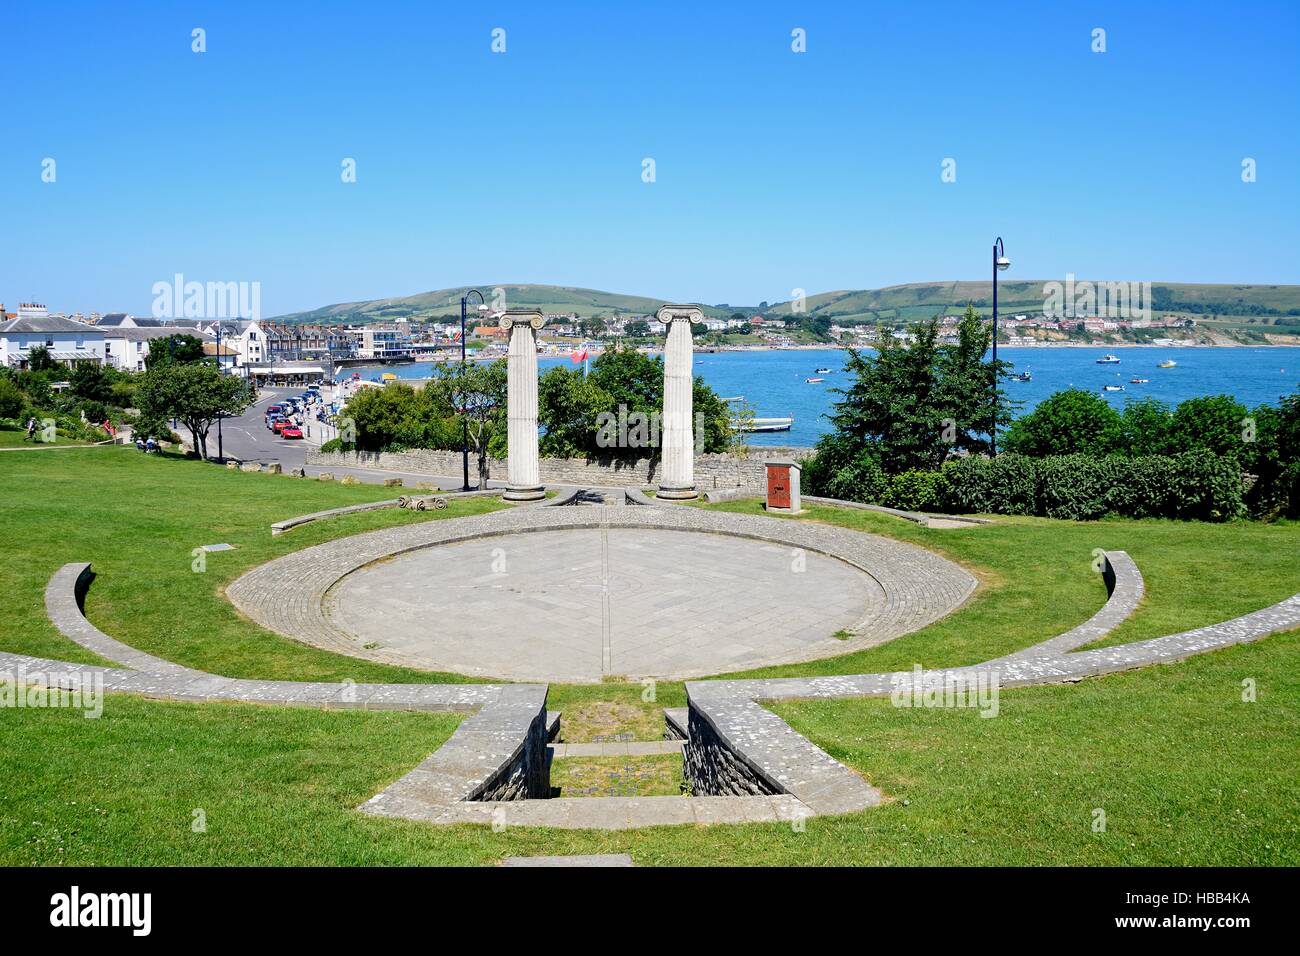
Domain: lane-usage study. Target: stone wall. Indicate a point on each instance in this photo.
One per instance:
(528, 774)
(711, 470)
(713, 768)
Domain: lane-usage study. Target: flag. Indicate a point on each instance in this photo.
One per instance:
(578, 357)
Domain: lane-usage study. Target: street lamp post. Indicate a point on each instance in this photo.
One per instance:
(464, 422)
(1000, 264)
(220, 449)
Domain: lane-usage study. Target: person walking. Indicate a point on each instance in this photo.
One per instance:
(31, 429)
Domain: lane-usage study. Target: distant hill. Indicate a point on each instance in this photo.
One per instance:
(920, 300)
(445, 302)
(899, 303)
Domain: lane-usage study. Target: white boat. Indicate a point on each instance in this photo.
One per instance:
(1112, 388)
(814, 380)
(1108, 359)
(762, 424)
(823, 371)
(1167, 363)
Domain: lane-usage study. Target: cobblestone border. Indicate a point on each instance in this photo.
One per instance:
(289, 595)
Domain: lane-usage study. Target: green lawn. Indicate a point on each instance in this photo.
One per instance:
(1185, 771)
(9, 438)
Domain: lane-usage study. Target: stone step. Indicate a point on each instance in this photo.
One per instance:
(617, 748)
(676, 720)
(601, 859)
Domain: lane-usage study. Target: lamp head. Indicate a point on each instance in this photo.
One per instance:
(1003, 263)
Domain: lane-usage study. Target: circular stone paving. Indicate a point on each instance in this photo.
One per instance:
(581, 605)
(542, 593)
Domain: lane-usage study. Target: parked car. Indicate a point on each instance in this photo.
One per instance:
(272, 410)
(279, 425)
(290, 431)
(272, 419)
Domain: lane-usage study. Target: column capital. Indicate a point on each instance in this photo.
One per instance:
(679, 313)
(512, 317)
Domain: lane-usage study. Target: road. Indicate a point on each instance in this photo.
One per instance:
(248, 439)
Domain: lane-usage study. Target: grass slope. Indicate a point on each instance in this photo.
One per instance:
(1185, 770)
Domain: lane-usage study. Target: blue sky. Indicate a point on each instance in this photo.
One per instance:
(774, 170)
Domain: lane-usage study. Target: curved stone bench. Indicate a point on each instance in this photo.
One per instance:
(494, 769)
(732, 737)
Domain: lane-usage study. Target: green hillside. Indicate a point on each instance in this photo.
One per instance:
(446, 302)
(923, 299)
(898, 303)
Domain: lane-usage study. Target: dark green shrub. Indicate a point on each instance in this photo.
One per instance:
(1002, 485)
(860, 480)
(914, 491)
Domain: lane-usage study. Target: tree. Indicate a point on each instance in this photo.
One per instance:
(1214, 422)
(397, 417)
(91, 382)
(174, 349)
(909, 406)
(12, 400)
(1069, 422)
(195, 393)
(638, 328)
(575, 411)
(1146, 427)
(40, 360)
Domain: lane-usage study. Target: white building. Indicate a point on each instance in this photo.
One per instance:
(127, 347)
(67, 341)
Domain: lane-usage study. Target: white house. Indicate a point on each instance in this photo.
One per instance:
(67, 341)
(127, 348)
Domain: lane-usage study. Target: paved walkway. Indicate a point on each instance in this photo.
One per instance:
(582, 605)
(615, 590)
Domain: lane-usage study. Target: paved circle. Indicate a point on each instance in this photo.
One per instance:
(681, 592)
(581, 605)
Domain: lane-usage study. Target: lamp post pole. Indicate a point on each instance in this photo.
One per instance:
(220, 449)
(464, 422)
(1000, 264)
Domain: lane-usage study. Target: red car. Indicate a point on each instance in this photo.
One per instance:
(290, 432)
(280, 424)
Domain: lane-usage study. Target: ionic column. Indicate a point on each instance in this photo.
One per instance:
(677, 464)
(525, 479)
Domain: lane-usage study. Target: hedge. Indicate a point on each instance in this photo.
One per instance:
(1193, 486)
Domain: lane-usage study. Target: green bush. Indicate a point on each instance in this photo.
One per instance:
(337, 444)
(12, 399)
(1002, 485)
(860, 480)
(914, 491)
(1192, 486)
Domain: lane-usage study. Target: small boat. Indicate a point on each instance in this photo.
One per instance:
(1108, 359)
(1025, 376)
(735, 398)
(1167, 363)
(762, 424)
(813, 381)
(823, 371)
(1138, 381)
(1112, 388)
